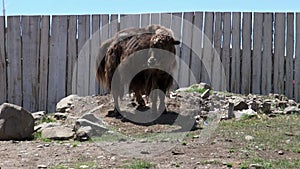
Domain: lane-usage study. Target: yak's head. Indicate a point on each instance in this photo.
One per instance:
(162, 51)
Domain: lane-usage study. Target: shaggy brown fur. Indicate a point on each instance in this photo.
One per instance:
(141, 53)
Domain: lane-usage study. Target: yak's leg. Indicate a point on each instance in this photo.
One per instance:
(154, 97)
(161, 96)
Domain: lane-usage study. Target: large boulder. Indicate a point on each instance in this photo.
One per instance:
(15, 122)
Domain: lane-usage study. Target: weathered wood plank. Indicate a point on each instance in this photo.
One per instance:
(217, 78)
(236, 49)
(226, 47)
(187, 30)
(14, 70)
(279, 50)
(257, 53)
(95, 43)
(130, 20)
(246, 54)
(196, 63)
(57, 61)
(30, 53)
(3, 74)
(267, 54)
(290, 42)
(72, 55)
(114, 25)
(165, 19)
(176, 28)
(43, 66)
(83, 55)
(145, 20)
(207, 57)
(155, 18)
(297, 60)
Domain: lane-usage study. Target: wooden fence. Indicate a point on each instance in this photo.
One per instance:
(45, 58)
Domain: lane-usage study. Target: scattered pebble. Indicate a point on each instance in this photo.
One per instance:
(249, 138)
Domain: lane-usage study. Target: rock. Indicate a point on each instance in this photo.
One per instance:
(249, 138)
(58, 133)
(292, 102)
(97, 129)
(282, 104)
(84, 133)
(256, 166)
(240, 105)
(291, 110)
(15, 122)
(38, 115)
(203, 85)
(254, 105)
(60, 116)
(230, 110)
(266, 107)
(44, 125)
(41, 166)
(92, 118)
(66, 103)
(280, 152)
(240, 114)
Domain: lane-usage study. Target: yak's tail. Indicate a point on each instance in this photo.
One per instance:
(100, 62)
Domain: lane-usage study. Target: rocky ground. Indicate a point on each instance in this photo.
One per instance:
(201, 129)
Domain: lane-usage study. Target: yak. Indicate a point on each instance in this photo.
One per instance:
(142, 58)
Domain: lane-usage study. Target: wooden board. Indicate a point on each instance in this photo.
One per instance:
(290, 42)
(207, 57)
(246, 54)
(155, 18)
(57, 61)
(236, 49)
(266, 83)
(83, 55)
(30, 55)
(165, 19)
(72, 56)
(196, 56)
(145, 20)
(114, 25)
(279, 52)
(176, 28)
(43, 66)
(130, 20)
(3, 74)
(257, 53)
(297, 60)
(217, 79)
(226, 47)
(187, 30)
(95, 43)
(14, 70)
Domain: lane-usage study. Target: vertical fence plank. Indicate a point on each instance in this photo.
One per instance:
(145, 20)
(297, 60)
(155, 18)
(186, 48)
(290, 55)
(30, 53)
(83, 55)
(197, 46)
(14, 60)
(43, 66)
(57, 61)
(95, 43)
(246, 54)
(3, 86)
(114, 25)
(236, 50)
(217, 78)
(279, 50)
(257, 53)
(105, 34)
(127, 21)
(72, 55)
(165, 19)
(226, 47)
(267, 54)
(176, 28)
(207, 57)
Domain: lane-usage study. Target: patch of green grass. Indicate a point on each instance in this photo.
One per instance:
(138, 164)
(213, 161)
(59, 167)
(88, 164)
(229, 165)
(38, 136)
(46, 119)
(270, 164)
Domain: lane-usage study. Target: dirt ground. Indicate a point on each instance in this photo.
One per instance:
(138, 146)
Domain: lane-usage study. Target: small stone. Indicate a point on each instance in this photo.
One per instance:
(60, 116)
(280, 152)
(205, 94)
(256, 166)
(84, 166)
(291, 110)
(38, 115)
(42, 166)
(145, 152)
(249, 138)
(240, 105)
